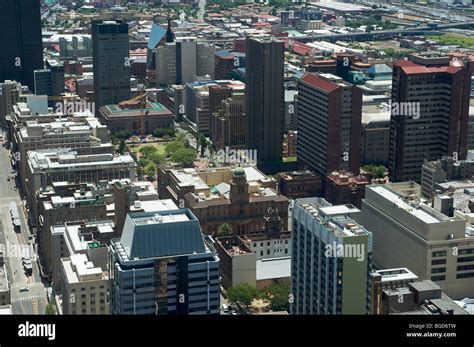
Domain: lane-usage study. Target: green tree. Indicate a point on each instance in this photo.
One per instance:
(173, 147)
(143, 162)
(157, 157)
(202, 142)
(278, 295)
(369, 28)
(150, 170)
(50, 309)
(147, 150)
(122, 135)
(185, 156)
(181, 136)
(225, 230)
(379, 171)
(122, 146)
(159, 132)
(242, 294)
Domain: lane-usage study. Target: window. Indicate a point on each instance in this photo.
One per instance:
(438, 261)
(439, 254)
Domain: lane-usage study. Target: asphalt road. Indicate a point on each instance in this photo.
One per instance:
(34, 300)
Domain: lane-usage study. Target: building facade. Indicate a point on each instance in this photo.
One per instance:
(429, 116)
(409, 233)
(176, 271)
(264, 97)
(112, 64)
(22, 48)
(331, 260)
(329, 123)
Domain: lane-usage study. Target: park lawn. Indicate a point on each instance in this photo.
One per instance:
(454, 39)
(289, 159)
(160, 147)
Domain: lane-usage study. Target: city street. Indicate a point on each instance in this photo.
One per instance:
(33, 300)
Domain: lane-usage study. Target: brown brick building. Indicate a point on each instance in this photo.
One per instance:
(343, 187)
(239, 197)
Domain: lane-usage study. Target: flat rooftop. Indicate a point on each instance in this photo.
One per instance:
(78, 268)
(161, 219)
(273, 268)
(400, 203)
(399, 274)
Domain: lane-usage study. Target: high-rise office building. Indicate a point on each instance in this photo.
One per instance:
(228, 125)
(43, 82)
(22, 48)
(162, 264)
(264, 97)
(429, 114)
(329, 124)
(331, 259)
(57, 76)
(183, 60)
(111, 62)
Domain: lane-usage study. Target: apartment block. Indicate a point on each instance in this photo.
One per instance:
(331, 259)
(329, 124)
(430, 119)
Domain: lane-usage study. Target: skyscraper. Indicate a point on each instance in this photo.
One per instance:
(331, 259)
(329, 124)
(111, 62)
(43, 82)
(264, 97)
(22, 49)
(429, 113)
(162, 264)
(181, 61)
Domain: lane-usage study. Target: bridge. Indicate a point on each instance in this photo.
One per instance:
(383, 34)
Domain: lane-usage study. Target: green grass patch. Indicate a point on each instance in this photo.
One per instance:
(454, 39)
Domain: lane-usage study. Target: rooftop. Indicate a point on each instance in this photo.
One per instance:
(160, 234)
(273, 268)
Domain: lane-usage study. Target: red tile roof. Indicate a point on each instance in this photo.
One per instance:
(301, 49)
(411, 68)
(319, 83)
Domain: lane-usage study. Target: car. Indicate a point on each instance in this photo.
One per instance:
(233, 313)
(24, 289)
(225, 308)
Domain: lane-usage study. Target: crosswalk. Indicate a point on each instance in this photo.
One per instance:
(34, 303)
(29, 285)
(32, 298)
